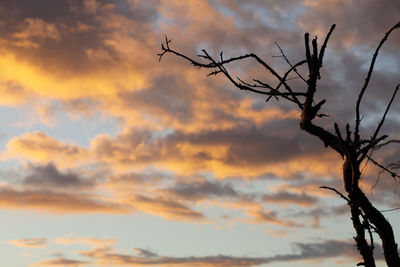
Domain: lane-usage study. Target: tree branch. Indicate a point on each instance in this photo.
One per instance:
(290, 64)
(219, 65)
(366, 82)
(337, 192)
(393, 174)
(386, 111)
(378, 146)
(322, 52)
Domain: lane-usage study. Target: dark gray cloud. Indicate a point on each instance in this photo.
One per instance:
(275, 141)
(145, 253)
(290, 198)
(303, 251)
(271, 217)
(48, 176)
(166, 207)
(46, 9)
(166, 96)
(198, 190)
(315, 216)
(360, 21)
(139, 178)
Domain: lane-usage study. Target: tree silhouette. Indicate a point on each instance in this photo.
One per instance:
(353, 148)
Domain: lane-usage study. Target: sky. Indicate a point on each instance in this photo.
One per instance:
(109, 157)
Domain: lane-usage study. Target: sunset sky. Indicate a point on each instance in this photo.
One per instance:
(109, 157)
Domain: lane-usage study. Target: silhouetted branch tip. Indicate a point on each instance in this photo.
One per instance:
(164, 48)
(388, 210)
(337, 192)
(289, 63)
(378, 146)
(367, 79)
(322, 51)
(384, 169)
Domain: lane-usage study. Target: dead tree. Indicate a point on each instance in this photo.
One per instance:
(353, 148)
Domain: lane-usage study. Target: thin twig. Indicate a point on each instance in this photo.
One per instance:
(366, 82)
(376, 147)
(386, 112)
(365, 150)
(388, 210)
(322, 51)
(288, 62)
(393, 174)
(337, 192)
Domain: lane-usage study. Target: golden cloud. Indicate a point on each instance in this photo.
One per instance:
(61, 262)
(39, 242)
(167, 208)
(40, 147)
(53, 202)
(91, 241)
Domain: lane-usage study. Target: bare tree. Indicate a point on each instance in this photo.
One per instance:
(353, 148)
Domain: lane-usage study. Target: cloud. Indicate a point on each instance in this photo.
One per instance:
(92, 55)
(134, 179)
(48, 176)
(93, 242)
(168, 208)
(284, 197)
(235, 135)
(40, 147)
(249, 150)
(145, 253)
(261, 216)
(202, 190)
(37, 28)
(57, 202)
(38, 242)
(302, 251)
(61, 262)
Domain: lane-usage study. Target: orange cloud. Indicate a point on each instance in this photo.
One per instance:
(100, 67)
(29, 242)
(248, 151)
(61, 262)
(48, 201)
(326, 4)
(261, 216)
(40, 83)
(93, 242)
(40, 147)
(37, 28)
(167, 208)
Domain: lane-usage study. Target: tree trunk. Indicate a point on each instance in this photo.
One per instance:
(360, 205)
(350, 178)
(383, 227)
